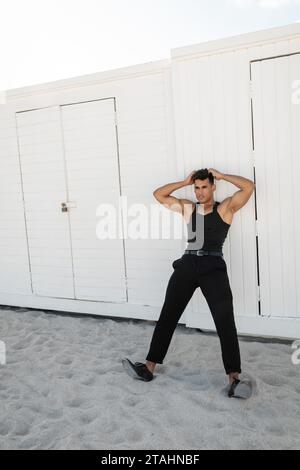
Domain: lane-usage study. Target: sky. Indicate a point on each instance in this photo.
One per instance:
(46, 40)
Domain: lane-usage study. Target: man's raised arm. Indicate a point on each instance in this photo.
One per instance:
(239, 198)
(163, 194)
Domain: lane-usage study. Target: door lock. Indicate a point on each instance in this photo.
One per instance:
(65, 206)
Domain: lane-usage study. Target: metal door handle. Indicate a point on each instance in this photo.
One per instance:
(67, 205)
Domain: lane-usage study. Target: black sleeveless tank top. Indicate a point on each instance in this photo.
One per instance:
(206, 232)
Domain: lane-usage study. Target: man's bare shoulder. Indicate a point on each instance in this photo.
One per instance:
(224, 211)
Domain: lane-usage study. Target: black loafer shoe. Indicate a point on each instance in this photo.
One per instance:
(138, 370)
(240, 389)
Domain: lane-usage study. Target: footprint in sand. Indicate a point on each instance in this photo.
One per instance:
(88, 418)
(275, 430)
(74, 402)
(21, 428)
(68, 375)
(272, 379)
(5, 427)
(112, 397)
(55, 413)
(131, 401)
(88, 381)
(66, 361)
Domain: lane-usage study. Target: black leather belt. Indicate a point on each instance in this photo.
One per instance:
(203, 252)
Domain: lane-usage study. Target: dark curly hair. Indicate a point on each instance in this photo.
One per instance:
(202, 175)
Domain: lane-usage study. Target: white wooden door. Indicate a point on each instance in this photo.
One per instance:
(276, 131)
(69, 156)
(92, 168)
(44, 189)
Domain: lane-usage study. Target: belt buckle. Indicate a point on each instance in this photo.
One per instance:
(200, 253)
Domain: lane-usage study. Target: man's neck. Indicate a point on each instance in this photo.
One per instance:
(208, 205)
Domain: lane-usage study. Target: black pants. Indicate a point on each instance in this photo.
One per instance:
(210, 274)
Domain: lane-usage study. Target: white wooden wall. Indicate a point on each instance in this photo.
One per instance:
(214, 114)
(171, 117)
(145, 129)
(58, 136)
(213, 128)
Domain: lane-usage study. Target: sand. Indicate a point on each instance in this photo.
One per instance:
(63, 387)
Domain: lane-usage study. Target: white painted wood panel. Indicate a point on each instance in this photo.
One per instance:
(92, 169)
(14, 266)
(213, 120)
(277, 146)
(147, 162)
(40, 137)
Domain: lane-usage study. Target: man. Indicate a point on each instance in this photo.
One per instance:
(202, 265)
